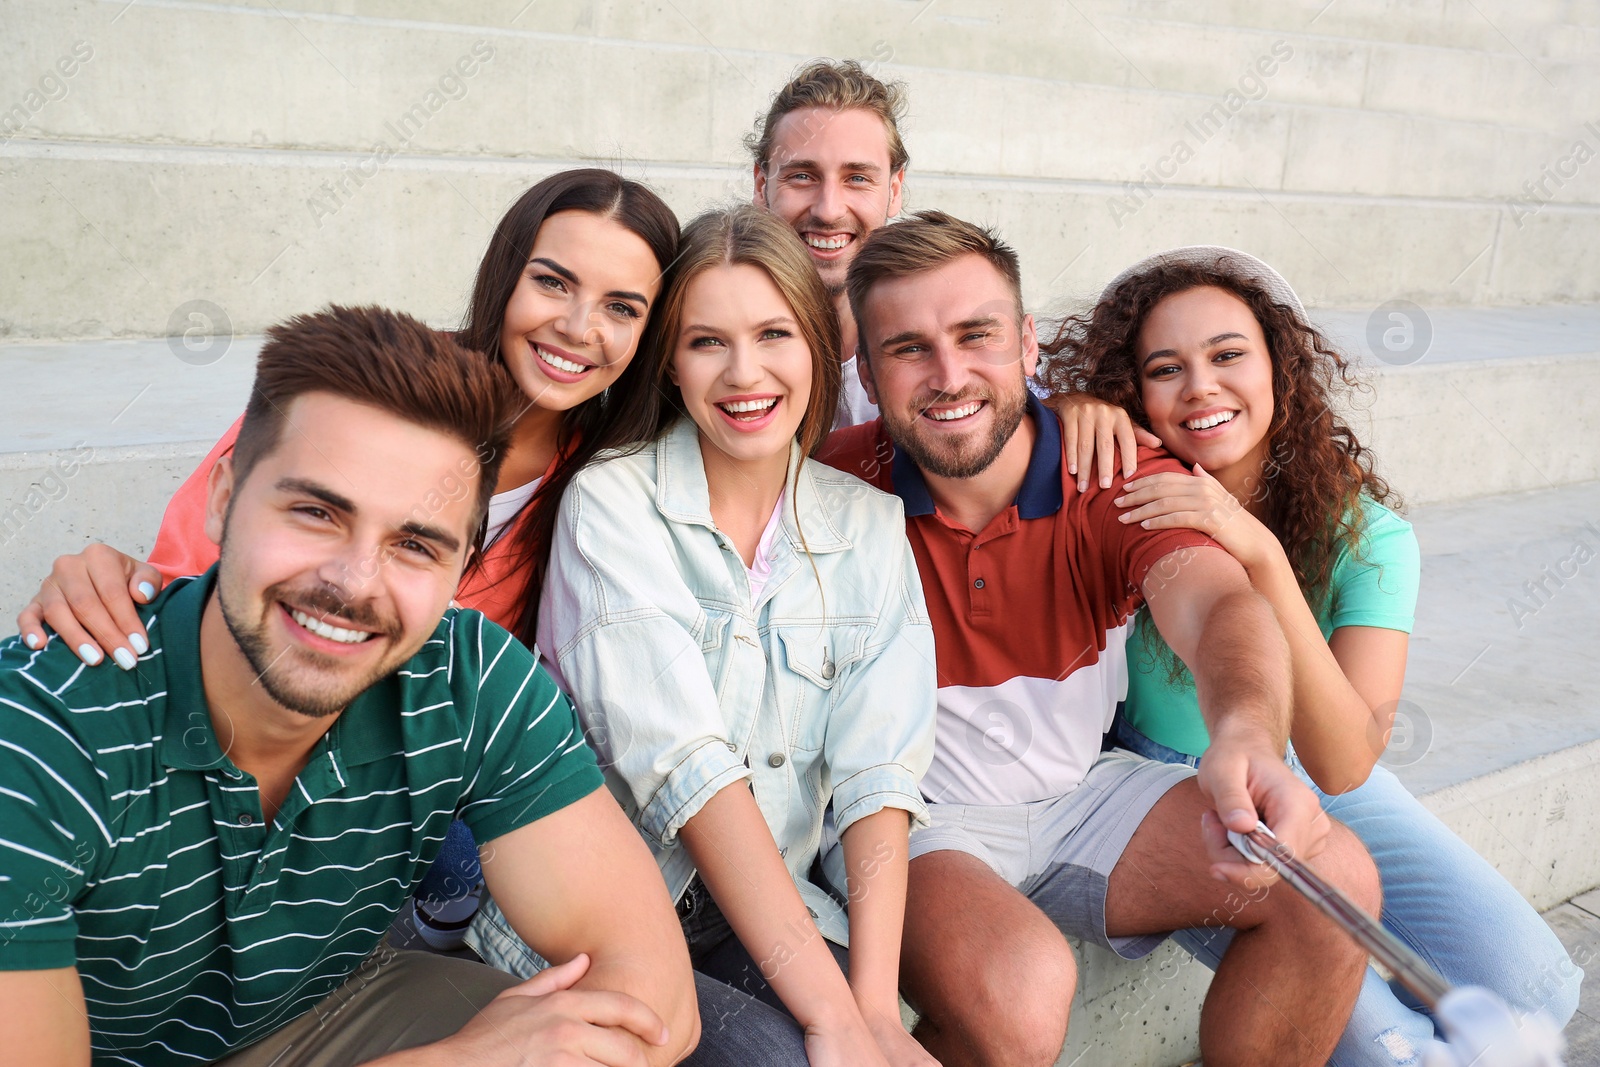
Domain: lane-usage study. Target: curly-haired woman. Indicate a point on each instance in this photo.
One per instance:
(1210, 350)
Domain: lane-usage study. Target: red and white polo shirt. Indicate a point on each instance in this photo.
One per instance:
(1029, 615)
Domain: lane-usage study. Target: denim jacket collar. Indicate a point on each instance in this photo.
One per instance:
(682, 494)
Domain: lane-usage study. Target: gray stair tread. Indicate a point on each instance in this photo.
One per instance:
(1497, 675)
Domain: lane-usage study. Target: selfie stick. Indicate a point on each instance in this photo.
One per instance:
(1480, 1028)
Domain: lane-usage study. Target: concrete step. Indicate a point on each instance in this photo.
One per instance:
(266, 233)
(1360, 72)
(1577, 923)
(1113, 43)
(1369, 171)
(1328, 118)
(1542, 30)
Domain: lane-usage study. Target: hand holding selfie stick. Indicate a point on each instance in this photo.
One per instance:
(1480, 1029)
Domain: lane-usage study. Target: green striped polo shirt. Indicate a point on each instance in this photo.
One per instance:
(132, 848)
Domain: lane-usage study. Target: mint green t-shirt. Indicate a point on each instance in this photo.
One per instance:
(1377, 586)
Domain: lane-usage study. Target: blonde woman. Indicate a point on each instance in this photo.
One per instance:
(744, 633)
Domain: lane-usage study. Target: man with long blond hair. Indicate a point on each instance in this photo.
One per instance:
(829, 161)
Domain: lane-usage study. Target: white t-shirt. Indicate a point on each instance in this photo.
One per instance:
(760, 568)
(503, 507)
(854, 407)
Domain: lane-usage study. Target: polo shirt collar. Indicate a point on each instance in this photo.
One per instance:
(1041, 494)
(368, 730)
(188, 741)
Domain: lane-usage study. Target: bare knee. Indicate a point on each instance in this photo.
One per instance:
(1346, 864)
(1016, 1006)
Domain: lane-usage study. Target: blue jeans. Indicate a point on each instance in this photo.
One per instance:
(455, 871)
(1439, 897)
(742, 1021)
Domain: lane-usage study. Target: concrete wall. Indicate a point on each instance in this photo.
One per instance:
(269, 158)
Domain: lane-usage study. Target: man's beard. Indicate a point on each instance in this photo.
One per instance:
(965, 458)
(295, 685)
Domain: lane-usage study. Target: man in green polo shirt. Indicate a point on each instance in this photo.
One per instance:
(199, 857)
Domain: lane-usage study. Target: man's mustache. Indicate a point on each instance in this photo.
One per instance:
(326, 604)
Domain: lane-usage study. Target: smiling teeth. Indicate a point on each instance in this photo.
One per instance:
(828, 244)
(956, 413)
(332, 633)
(1209, 421)
(740, 407)
(560, 364)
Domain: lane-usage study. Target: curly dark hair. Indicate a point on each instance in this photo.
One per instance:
(1315, 468)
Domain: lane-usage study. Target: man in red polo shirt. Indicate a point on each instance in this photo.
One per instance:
(1030, 585)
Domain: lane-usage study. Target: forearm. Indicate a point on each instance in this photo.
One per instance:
(1332, 727)
(434, 1055)
(738, 860)
(876, 857)
(1241, 672)
(582, 881)
(673, 998)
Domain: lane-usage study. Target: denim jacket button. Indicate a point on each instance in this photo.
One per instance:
(827, 669)
(775, 760)
(731, 746)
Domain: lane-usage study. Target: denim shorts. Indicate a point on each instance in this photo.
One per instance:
(1131, 739)
(1060, 851)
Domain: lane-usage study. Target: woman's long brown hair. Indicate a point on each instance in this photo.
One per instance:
(1315, 469)
(590, 426)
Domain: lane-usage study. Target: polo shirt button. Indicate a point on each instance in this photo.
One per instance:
(978, 584)
(775, 760)
(245, 818)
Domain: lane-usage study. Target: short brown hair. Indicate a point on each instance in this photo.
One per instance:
(746, 235)
(392, 362)
(840, 84)
(925, 241)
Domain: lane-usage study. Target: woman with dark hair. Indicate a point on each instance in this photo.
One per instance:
(561, 300)
(744, 633)
(1210, 350)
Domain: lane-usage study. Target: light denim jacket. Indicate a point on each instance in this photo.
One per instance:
(685, 689)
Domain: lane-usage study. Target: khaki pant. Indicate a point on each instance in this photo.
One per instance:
(395, 1000)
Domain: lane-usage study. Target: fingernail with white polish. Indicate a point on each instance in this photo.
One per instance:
(140, 645)
(89, 654)
(148, 590)
(124, 659)
(32, 640)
